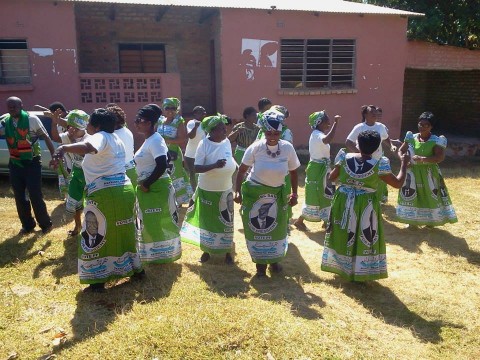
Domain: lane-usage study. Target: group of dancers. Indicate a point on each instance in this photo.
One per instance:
(131, 200)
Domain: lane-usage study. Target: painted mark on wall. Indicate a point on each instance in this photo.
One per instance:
(59, 58)
(43, 51)
(258, 53)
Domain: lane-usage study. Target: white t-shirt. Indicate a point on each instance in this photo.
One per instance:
(267, 170)
(75, 159)
(127, 138)
(208, 152)
(152, 148)
(378, 127)
(192, 144)
(109, 159)
(317, 148)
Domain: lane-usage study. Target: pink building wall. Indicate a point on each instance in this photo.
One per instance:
(381, 56)
(49, 29)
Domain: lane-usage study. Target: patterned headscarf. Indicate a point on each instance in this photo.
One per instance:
(271, 120)
(210, 122)
(282, 109)
(171, 102)
(316, 118)
(77, 119)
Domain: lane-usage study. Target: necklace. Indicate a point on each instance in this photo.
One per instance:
(273, 154)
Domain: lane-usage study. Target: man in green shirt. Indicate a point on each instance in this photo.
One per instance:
(22, 132)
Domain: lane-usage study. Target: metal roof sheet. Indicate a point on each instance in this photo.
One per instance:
(321, 6)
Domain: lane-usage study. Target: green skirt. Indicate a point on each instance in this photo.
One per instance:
(76, 190)
(238, 154)
(382, 192)
(208, 223)
(264, 215)
(132, 173)
(423, 199)
(354, 243)
(63, 179)
(318, 191)
(107, 247)
(158, 238)
(180, 179)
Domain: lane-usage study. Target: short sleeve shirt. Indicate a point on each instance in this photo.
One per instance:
(317, 148)
(109, 159)
(152, 148)
(378, 127)
(268, 170)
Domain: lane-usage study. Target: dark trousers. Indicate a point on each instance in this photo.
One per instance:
(29, 178)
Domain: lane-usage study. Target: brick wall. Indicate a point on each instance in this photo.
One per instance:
(453, 97)
(425, 55)
(101, 27)
(414, 99)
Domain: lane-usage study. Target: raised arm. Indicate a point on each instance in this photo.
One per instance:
(329, 137)
(397, 180)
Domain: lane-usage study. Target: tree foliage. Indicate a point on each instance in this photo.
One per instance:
(449, 22)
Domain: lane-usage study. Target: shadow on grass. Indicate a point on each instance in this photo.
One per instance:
(95, 312)
(314, 234)
(231, 281)
(437, 238)
(19, 248)
(382, 303)
(288, 286)
(63, 266)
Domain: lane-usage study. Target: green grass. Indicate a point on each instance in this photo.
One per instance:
(428, 308)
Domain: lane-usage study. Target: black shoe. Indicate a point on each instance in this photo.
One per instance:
(139, 275)
(261, 270)
(276, 268)
(95, 288)
(24, 231)
(228, 259)
(47, 229)
(205, 257)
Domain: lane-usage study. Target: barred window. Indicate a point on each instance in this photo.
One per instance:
(317, 63)
(142, 58)
(14, 62)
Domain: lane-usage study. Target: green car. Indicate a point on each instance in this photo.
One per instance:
(5, 156)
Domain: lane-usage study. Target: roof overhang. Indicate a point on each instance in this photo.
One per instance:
(317, 6)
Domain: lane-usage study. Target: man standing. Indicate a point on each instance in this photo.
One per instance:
(22, 132)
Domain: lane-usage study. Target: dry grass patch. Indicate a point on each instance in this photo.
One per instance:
(426, 309)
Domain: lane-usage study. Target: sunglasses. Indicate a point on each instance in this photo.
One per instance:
(170, 108)
(139, 120)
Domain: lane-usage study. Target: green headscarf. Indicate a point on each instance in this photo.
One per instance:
(171, 102)
(316, 118)
(210, 122)
(77, 119)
